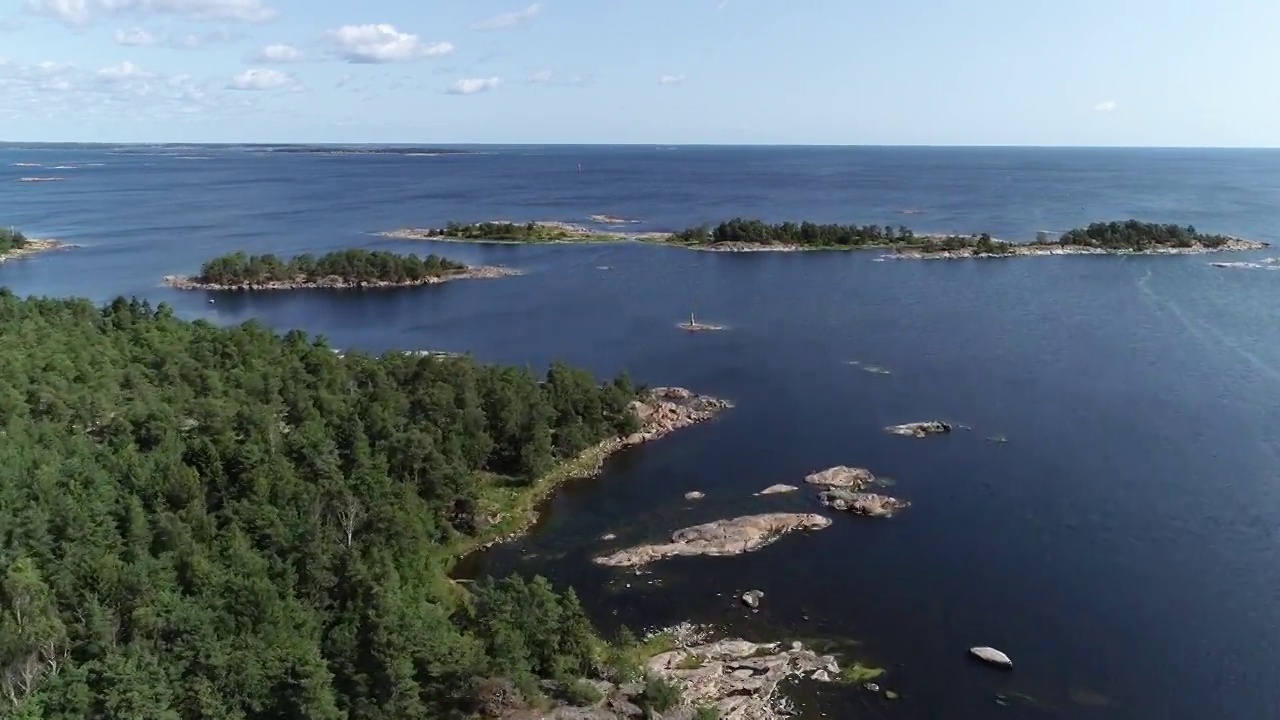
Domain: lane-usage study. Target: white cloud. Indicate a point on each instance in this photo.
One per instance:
(471, 86)
(546, 77)
(279, 53)
(80, 12)
(382, 43)
(1105, 106)
(512, 19)
(135, 37)
(124, 71)
(71, 12)
(670, 79)
(260, 79)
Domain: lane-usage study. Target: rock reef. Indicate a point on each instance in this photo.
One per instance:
(721, 537)
(663, 410)
(862, 503)
(778, 489)
(842, 477)
(334, 282)
(920, 429)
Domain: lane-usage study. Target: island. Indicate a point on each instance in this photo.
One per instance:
(744, 235)
(343, 269)
(229, 520)
(1130, 237)
(542, 231)
(15, 246)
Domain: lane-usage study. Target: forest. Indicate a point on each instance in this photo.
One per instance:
(756, 232)
(229, 523)
(11, 240)
(353, 265)
(1136, 235)
(527, 232)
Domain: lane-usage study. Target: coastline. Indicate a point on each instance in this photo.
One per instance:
(479, 272)
(33, 247)
(662, 411)
(563, 233)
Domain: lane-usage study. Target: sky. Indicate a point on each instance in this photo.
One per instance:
(841, 72)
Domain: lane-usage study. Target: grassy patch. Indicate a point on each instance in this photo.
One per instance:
(692, 661)
(858, 673)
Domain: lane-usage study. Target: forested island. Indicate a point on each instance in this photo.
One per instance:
(1131, 236)
(545, 231)
(15, 245)
(744, 235)
(341, 269)
(206, 522)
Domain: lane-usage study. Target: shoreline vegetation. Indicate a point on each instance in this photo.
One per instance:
(343, 269)
(16, 246)
(1130, 237)
(250, 506)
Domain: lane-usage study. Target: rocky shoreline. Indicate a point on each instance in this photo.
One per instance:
(661, 411)
(480, 272)
(1041, 250)
(572, 234)
(32, 247)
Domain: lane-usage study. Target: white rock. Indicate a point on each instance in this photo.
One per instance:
(991, 655)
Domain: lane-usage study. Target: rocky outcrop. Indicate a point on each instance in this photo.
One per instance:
(31, 247)
(862, 503)
(1046, 249)
(739, 678)
(992, 656)
(920, 429)
(842, 477)
(778, 489)
(721, 537)
(694, 495)
(663, 410)
(751, 598)
(333, 282)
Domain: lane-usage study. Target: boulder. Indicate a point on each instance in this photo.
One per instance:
(842, 477)
(694, 495)
(751, 598)
(920, 429)
(776, 489)
(992, 656)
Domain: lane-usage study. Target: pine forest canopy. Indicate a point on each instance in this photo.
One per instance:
(354, 265)
(206, 522)
(11, 239)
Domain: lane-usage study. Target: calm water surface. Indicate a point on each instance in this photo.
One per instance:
(1122, 547)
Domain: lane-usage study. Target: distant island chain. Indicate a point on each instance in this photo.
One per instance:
(740, 235)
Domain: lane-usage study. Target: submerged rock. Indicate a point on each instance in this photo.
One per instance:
(721, 537)
(776, 489)
(842, 477)
(992, 656)
(869, 504)
(920, 429)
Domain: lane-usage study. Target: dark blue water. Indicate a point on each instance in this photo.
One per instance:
(1123, 547)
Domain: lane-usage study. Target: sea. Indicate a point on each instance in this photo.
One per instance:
(1122, 544)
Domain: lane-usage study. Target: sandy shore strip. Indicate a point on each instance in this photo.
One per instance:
(482, 272)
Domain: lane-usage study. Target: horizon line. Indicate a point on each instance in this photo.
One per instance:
(299, 143)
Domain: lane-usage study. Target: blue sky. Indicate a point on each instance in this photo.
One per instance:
(931, 72)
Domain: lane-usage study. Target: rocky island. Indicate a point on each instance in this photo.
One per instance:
(502, 231)
(721, 537)
(744, 235)
(344, 269)
(844, 489)
(15, 246)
